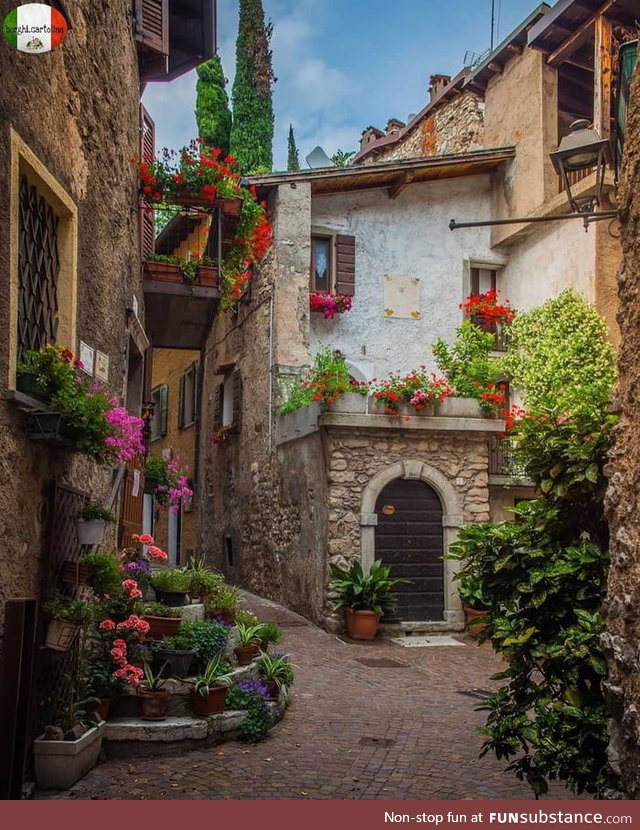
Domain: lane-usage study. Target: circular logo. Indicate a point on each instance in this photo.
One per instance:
(34, 28)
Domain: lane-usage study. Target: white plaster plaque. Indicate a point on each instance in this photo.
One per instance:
(369, 520)
(402, 297)
(102, 366)
(87, 356)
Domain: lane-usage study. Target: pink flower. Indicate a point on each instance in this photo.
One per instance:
(107, 625)
(145, 539)
(157, 553)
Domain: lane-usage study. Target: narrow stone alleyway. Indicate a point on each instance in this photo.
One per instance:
(367, 721)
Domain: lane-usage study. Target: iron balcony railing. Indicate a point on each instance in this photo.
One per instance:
(498, 331)
(503, 461)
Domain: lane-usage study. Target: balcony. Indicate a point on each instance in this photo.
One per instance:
(498, 331)
(504, 467)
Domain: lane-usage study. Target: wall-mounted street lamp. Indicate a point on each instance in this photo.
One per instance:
(581, 150)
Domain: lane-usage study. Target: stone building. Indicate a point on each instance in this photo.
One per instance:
(281, 497)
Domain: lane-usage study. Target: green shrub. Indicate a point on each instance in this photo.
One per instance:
(326, 381)
(159, 609)
(255, 727)
(105, 572)
(170, 580)
(206, 638)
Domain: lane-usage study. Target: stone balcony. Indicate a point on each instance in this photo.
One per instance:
(360, 413)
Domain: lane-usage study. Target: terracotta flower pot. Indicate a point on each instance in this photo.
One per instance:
(102, 708)
(61, 634)
(160, 627)
(475, 620)
(154, 705)
(207, 275)
(245, 654)
(362, 625)
(226, 614)
(274, 689)
(162, 272)
(213, 704)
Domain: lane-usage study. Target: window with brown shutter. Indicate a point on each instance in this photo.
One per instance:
(237, 398)
(152, 25)
(146, 214)
(218, 402)
(346, 264)
(158, 423)
(187, 410)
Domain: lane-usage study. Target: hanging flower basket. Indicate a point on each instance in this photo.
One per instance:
(49, 427)
(61, 634)
(90, 532)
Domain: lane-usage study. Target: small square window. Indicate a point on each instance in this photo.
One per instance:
(188, 410)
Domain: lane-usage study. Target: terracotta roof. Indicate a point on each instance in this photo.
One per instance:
(445, 95)
(395, 175)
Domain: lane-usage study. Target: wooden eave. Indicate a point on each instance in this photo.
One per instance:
(179, 315)
(512, 46)
(192, 40)
(566, 33)
(391, 175)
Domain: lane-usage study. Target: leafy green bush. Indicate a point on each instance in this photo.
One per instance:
(105, 572)
(364, 592)
(94, 513)
(255, 726)
(159, 609)
(59, 607)
(206, 638)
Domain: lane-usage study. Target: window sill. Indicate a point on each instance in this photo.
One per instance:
(187, 427)
(24, 402)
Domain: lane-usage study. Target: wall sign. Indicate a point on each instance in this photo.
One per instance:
(402, 297)
(87, 357)
(102, 366)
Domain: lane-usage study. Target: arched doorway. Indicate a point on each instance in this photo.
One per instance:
(409, 537)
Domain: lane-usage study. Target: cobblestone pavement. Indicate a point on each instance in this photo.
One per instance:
(353, 731)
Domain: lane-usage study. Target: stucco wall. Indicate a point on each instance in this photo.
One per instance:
(558, 256)
(521, 110)
(168, 367)
(403, 237)
(77, 110)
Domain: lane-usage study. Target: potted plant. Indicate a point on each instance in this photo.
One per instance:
(153, 695)
(104, 572)
(474, 605)
(163, 621)
(210, 688)
(365, 597)
(206, 637)
(270, 634)
(223, 604)
(167, 482)
(248, 647)
(91, 524)
(276, 671)
(202, 580)
(67, 751)
(66, 618)
(176, 653)
(171, 586)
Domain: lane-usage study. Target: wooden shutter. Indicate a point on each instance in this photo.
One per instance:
(181, 403)
(237, 398)
(475, 281)
(152, 25)
(132, 505)
(346, 265)
(164, 406)
(218, 397)
(147, 215)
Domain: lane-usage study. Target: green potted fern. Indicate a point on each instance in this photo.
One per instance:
(211, 687)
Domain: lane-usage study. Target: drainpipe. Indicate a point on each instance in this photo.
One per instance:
(271, 370)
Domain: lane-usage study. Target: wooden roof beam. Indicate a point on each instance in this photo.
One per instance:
(404, 181)
(495, 67)
(575, 41)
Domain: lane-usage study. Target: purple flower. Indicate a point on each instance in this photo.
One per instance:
(255, 686)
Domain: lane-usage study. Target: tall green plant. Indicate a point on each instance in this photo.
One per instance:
(253, 118)
(560, 355)
(213, 115)
(293, 159)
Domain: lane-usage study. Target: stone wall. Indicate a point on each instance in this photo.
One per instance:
(622, 640)
(76, 108)
(456, 126)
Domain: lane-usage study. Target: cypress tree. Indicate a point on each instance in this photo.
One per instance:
(212, 105)
(293, 160)
(253, 119)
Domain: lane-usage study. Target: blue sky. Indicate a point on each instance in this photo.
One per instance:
(344, 64)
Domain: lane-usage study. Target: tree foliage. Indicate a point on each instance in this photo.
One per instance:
(544, 575)
(253, 119)
(293, 159)
(343, 158)
(558, 348)
(213, 115)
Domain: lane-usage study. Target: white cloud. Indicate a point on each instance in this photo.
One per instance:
(310, 92)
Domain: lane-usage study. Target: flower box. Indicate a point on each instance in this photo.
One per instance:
(189, 198)
(162, 272)
(329, 304)
(352, 403)
(90, 531)
(59, 764)
(207, 275)
(49, 427)
(28, 385)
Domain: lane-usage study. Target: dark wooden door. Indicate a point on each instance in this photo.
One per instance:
(409, 537)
